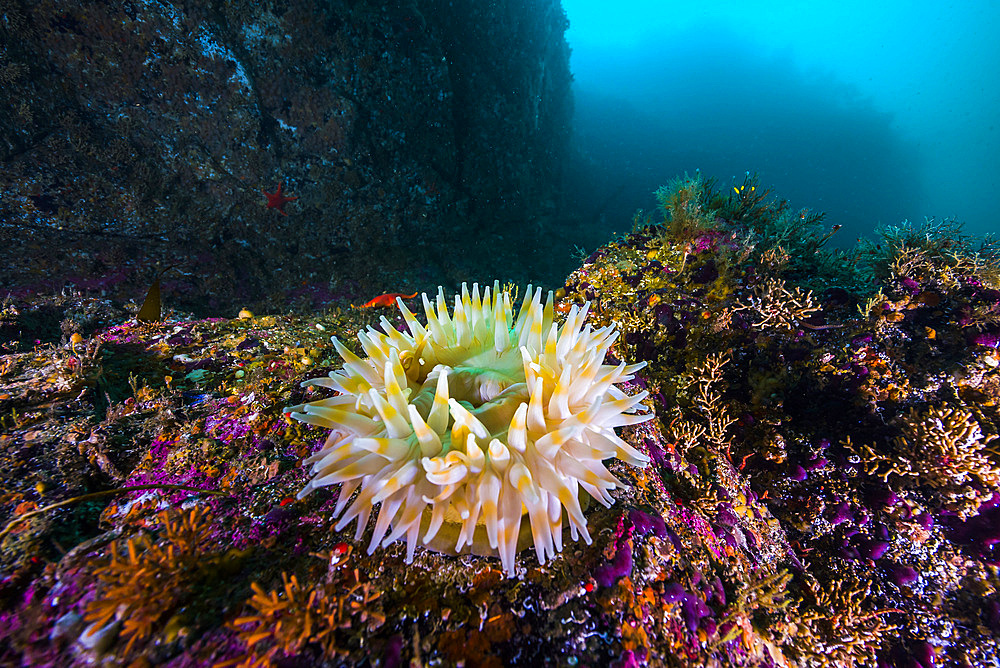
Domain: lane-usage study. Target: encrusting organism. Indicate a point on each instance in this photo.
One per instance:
(461, 426)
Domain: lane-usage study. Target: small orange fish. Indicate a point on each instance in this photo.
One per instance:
(387, 300)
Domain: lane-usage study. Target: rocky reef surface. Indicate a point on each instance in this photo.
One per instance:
(824, 486)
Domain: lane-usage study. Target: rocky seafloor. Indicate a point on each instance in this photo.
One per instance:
(823, 487)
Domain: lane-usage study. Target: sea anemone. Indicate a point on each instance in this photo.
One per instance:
(465, 425)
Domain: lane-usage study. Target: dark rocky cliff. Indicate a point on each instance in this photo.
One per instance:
(420, 138)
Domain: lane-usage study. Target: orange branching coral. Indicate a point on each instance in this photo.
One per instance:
(286, 623)
(141, 588)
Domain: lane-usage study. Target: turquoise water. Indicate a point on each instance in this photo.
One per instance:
(871, 111)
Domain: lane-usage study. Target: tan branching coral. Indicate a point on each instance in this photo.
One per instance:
(706, 381)
(982, 316)
(872, 307)
(769, 593)
(777, 307)
(705, 418)
(289, 620)
(844, 627)
(944, 448)
(775, 258)
(935, 251)
(699, 427)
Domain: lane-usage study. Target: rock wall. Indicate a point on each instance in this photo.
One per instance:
(136, 135)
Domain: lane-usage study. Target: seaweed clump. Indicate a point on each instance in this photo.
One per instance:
(294, 620)
(140, 591)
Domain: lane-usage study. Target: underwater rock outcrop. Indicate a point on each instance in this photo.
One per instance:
(135, 134)
(822, 487)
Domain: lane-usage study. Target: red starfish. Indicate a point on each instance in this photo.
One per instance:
(277, 200)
